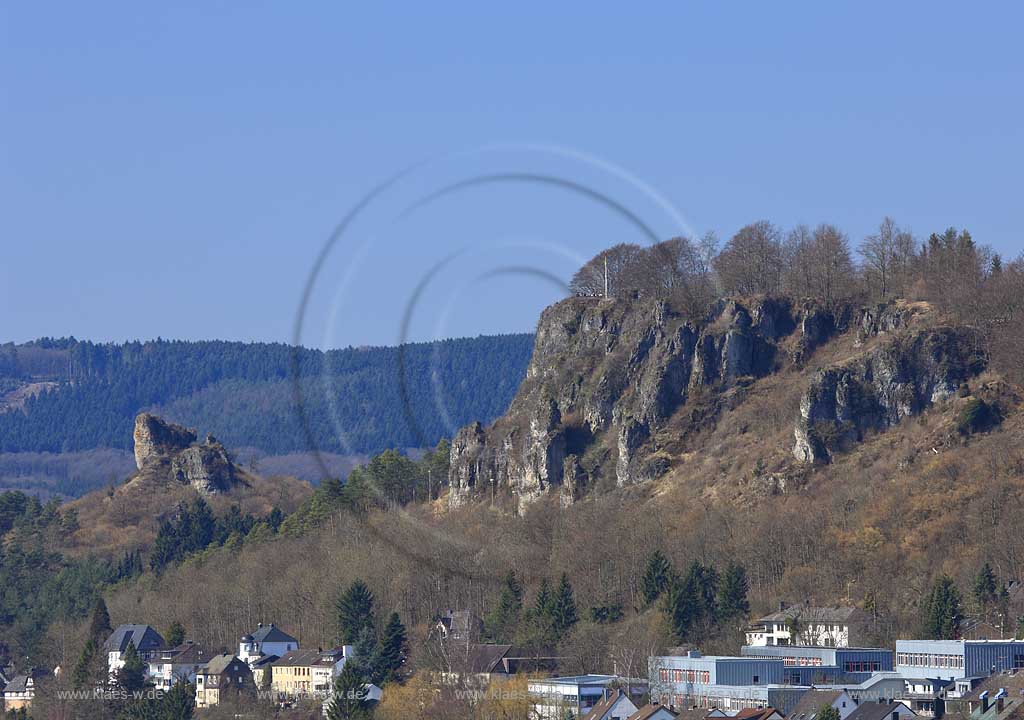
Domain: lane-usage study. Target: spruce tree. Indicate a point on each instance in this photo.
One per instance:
(732, 595)
(348, 700)
(131, 676)
(99, 622)
(657, 577)
(178, 703)
(502, 620)
(175, 634)
(355, 612)
(984, 589)
(563, 608)
(942, 612)
(542, 603)
(83, 675)
(393, 643)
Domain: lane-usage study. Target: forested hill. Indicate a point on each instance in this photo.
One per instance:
(68, 395)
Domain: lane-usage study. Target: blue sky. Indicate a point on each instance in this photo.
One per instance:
(175, 170)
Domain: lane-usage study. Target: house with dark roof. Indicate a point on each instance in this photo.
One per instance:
(223, 679)
(991, 697)
(615, 705)
(309, 672)
(653, 711)
(768, 713)
(803, 624)
(460, 625)
(178, 664)
(19, 692)
(882, 711)
(812, 702)
(148, 643)
(266, 640)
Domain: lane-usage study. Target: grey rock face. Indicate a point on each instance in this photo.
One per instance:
(607, 374)
(154, 438)
(164, 447)
(899, 379)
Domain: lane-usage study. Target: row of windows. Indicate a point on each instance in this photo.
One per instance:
(930, 660)
(863, 666)
(802, 661)
(706, 703)
(677, 675)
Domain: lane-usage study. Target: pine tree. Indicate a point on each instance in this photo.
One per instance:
(502, 620)
(681, 606)
(542, 603)
(178, 703)
(393, 645)
(732, 595)
(132, 675)
(99, 622)
(657, 577)
(942, 613)
(175, 634)
(82, 675)
(355, 612)
(348, 697)
(563, 608)
(827, 712)
(984, 589)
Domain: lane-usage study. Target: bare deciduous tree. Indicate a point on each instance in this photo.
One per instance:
(751, 262)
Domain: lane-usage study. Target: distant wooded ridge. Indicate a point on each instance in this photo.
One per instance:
(244, 393)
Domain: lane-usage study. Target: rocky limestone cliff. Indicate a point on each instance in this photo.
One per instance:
(898, 379)
(163, 448)
(606, 375)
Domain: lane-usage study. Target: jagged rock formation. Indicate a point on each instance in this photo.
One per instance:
(898, 379)
(164, 448)
(606, 375)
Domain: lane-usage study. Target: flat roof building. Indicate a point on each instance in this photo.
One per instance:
(955, 659)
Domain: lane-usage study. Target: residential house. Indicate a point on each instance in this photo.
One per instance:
(480, 662)
(812, 702)
(266, 640)
(616, 705)
(178, 664)
(309, 672)
(19, 692)
(578, 694)
(262, 667)
(882, 711)
(223, 679)
(989, 699)
(768, 713)
(460, 625)
(148, 644)
(653, 711)
(802, 624)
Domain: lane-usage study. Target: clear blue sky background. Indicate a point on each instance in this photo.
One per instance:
(174, 170)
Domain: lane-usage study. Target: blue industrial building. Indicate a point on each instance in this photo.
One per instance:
(846, 659)
(956, 659)
(734, 683)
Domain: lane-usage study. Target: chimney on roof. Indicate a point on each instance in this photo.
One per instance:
(782, 605)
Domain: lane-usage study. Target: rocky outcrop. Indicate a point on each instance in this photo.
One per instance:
(898, 379)
(166, 449)
(156, 439)
(604, 378)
